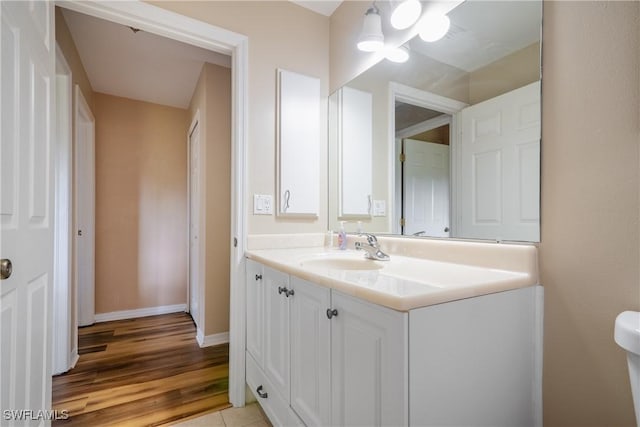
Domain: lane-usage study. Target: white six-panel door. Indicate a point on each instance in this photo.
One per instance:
(85, 209)
(194, 224)
(500, 167)
(426, 188)
(26, 177)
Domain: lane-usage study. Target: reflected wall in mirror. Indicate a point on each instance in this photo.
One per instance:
(448, 143)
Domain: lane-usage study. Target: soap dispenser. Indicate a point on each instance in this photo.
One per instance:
(342, 237)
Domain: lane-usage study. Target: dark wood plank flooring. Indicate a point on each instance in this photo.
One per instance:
(142, 372)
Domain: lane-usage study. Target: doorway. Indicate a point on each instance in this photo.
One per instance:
(424, 128)
(177, 27)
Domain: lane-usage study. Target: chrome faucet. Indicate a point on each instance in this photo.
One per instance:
(372, 248)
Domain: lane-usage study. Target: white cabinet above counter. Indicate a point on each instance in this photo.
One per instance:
(332, 340)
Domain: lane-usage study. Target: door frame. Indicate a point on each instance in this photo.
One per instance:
(169, 24)
(64, 349)
(432, 101)
(83, 115)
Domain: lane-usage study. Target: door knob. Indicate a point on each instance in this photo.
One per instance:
(6, 268)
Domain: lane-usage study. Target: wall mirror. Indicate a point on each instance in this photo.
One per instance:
(446, 144)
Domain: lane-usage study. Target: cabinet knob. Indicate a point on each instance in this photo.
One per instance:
(258, 276)
(289, 293)
(282, 289)
(331, 313)
(262, 394)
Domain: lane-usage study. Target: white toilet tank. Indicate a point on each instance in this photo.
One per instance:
(627, 336)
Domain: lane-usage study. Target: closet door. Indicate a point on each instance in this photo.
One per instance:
(298, 144)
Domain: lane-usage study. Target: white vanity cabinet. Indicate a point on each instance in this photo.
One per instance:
(310, 333)
(328, 358)
(368, 364)
(267, 342)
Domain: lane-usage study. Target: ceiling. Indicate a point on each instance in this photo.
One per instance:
(140, 65)
(408, 115)
(484, 31)
(324, 7)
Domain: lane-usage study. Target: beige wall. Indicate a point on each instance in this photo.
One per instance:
(141, 204)
(212, 99)
(509, 73)
(281, 35)
(589, 251)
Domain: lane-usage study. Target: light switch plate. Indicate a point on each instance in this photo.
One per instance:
(262, 204)
(379, 208)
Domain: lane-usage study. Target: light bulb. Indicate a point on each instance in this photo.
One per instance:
(406, 14)
(433, 27)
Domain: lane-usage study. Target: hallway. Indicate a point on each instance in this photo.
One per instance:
(140, 372)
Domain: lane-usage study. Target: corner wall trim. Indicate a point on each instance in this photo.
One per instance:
(140, 312)
(210, 340)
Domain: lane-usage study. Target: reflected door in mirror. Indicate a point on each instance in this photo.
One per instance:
(425, 194)
(500, 167)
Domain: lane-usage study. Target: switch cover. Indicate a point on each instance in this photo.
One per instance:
(262, 204)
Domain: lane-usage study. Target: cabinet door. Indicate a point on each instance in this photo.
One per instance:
(276, 327)
(255, 311)
(310, 352)
(298, 144)
(369, 364)
(356, 152)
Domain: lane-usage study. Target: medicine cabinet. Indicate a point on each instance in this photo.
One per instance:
(298, 135)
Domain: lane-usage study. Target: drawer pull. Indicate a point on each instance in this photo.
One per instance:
(258, 276)
(332, 313)
(262, 394)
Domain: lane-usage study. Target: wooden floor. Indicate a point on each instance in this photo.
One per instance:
(142, 372)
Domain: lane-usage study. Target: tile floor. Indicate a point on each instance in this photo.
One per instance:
(249, 416)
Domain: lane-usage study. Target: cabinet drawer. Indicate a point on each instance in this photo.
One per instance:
(273, 404)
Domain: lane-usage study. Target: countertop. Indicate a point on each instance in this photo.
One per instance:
(403, 283)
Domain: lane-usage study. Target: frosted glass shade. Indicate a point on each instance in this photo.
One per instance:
(433, 27)
(371, 39)
(406, 14)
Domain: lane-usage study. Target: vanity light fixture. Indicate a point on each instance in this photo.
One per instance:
(371, 39)
(433, 27)
(406, 14)
(398, 54)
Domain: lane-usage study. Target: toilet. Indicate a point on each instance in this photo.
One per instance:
(627, 336)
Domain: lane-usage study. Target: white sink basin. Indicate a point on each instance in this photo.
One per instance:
(340, 263)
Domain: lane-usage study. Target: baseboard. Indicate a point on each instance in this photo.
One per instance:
(209, 340)
(74, 359)
(140, 312)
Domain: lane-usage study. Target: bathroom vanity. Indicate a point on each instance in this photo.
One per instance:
(423, 339)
